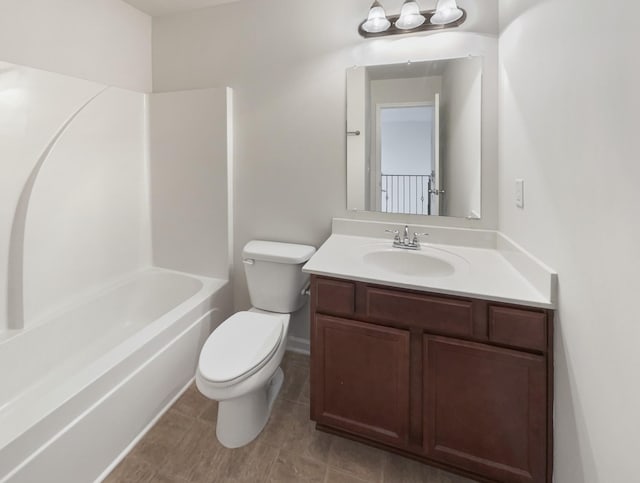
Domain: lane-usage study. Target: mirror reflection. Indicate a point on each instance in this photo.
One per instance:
(414, 137)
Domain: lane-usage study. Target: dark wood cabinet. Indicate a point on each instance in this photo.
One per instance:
(364, 379)
(460, 383)
(485, 409)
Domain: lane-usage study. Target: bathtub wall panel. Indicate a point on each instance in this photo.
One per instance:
(189, 154)
(87, 223)
(34, 104)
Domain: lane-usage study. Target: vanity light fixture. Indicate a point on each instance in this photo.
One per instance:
(377, 21)
(410, 16)
(447, 11)
(411, 19)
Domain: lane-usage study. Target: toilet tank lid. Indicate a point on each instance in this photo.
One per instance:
(279, 252)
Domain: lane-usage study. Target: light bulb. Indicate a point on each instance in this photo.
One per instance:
(410, 16)
(377, 20)
(447, 11)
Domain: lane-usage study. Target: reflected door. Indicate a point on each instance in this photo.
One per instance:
(405, 157)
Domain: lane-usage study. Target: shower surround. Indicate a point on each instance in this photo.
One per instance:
(98, 295)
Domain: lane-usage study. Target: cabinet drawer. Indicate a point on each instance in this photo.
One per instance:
(518, 328)
(441, 315)
(335, 297)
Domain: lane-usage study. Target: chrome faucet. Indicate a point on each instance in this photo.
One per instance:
(406, 242)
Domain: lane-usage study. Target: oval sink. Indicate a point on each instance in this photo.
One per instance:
(410, 263)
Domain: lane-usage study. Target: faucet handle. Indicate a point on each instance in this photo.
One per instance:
(416, 240)
(396, 234)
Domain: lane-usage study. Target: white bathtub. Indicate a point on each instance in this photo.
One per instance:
(76, 390)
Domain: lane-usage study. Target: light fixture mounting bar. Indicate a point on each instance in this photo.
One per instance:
(425, 27)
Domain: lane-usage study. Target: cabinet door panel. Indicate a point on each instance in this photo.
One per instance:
(361, 378)
(485, 409)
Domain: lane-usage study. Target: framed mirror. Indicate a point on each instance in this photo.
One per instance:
(414, 138)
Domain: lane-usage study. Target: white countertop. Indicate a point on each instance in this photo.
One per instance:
(479, 272)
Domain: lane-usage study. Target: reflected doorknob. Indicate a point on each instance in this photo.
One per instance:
(436, 192)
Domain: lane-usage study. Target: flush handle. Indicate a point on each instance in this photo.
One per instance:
(248, 261)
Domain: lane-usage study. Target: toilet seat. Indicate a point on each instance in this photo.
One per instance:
(239, 347)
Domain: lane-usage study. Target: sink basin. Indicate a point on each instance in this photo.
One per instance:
(411, 263)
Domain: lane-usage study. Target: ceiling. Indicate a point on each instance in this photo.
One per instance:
(166, 7)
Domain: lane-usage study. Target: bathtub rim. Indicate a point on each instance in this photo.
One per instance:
(92, 294)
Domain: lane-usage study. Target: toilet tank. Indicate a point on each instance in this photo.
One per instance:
(274, 274)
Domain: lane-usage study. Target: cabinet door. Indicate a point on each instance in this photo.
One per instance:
(485, 409)
(361, 378)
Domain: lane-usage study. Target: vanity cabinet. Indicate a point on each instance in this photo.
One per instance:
(461, 383)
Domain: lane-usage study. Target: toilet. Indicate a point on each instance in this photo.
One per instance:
(239, 364)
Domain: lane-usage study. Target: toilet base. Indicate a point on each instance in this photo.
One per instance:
(240, 420)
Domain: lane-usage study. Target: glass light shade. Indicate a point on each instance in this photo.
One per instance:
(410, 16)
(447, 11)
(377, 20)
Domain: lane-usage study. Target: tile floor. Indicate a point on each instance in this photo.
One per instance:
(182, 447)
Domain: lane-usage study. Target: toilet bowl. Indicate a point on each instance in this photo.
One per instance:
(240, 368)
(239, 364)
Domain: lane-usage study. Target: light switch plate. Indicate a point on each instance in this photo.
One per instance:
(520, 193)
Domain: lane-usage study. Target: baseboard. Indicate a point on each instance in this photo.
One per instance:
(299, 345)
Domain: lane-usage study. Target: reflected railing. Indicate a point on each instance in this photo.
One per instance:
(405, 193)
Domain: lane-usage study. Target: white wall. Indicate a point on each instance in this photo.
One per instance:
(415, 89)
(189, 154)
(569, 104)
(288, 74)
(461, 114)
(106, 41)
